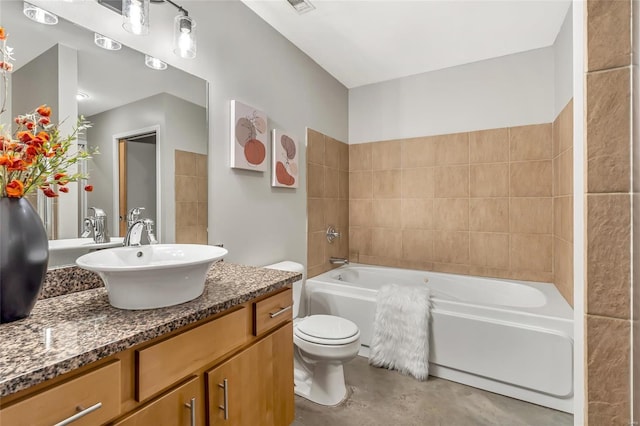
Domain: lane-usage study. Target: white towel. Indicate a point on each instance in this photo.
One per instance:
(401, 330)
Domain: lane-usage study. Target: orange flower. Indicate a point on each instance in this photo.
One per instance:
(63, 189)
(59, 176)
(25, 136)
(88, 188)
(44, 136)
(3, 34)
(49, 192)
(44, 121)
(15, 189)
(7, 66)
(30, 125)
(17, 164)
(5, 160)
(44, 110)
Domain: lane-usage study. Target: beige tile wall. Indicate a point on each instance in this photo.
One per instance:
(563, 202)
(477, 203)
(191, 197)
(327, 200)
(608, 212)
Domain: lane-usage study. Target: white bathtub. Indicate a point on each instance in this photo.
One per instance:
(514, 338)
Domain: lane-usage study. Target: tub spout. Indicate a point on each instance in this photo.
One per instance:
(338, 261)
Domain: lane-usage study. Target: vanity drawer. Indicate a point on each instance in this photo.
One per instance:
(182, 406)
(272, 311)
(97, 392)
(160, 365)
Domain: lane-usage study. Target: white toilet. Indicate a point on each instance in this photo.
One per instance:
(322, 344)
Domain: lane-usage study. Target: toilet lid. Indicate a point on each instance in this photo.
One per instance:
(327, 327)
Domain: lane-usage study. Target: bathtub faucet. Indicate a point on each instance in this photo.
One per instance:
(338, 261)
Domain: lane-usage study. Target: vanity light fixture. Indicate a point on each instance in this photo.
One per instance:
(38, 14)
(106, 42)
(81, 96)
(135, 16)
(184, 36)
(154, 63)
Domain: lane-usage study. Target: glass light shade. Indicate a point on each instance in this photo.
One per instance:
(184, 37)
(39, 15)
(135, 16)
(154, 63)
(106, 42)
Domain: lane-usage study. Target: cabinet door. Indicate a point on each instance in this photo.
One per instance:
(282, 392)
(237, 390)
(258, 383)
(171, 409)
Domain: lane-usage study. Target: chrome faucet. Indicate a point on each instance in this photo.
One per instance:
(96, 226)
(338, 261)
(135, 226)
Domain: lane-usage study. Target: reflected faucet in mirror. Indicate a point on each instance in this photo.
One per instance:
(96, 226)
(135, 226)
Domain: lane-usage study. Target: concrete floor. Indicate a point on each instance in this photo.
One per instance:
(380, 397)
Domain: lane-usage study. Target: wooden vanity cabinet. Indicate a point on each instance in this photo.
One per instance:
(255, 386)
(174, 380)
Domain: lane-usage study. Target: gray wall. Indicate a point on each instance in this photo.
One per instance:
(160, 110)
(36, 83)
(508, 91)
(52, 79)
(141, 176)
(563, 64)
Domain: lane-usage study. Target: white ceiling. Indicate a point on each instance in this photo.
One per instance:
(111, 79)
(361, 42)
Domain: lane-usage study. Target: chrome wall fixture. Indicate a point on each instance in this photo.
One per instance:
(135, 19)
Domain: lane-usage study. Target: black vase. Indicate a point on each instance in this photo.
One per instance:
(24, 253)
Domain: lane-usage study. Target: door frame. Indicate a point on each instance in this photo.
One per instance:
(116, 176)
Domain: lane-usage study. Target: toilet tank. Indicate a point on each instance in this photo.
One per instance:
(288, 265)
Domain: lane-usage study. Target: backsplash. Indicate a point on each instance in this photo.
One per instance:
(327, 200)
(68, 279)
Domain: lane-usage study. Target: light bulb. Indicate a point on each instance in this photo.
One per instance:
(135, 15)
(184, 37)
(154, 63)
(39, 15)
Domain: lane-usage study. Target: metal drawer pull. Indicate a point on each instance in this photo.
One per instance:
(192, 408)
(225, 407)
(81, 412)
(280, 312)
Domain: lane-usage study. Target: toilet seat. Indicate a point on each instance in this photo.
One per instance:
(327, 330)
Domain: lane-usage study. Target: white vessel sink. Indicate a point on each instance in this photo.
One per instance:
(66, 251)
(153, 276)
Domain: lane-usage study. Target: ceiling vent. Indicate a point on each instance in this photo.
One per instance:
(301, 6)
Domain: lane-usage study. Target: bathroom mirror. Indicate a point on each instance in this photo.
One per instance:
(140, 117)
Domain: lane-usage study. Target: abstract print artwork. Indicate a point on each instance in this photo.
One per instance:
(284, 168)
(248, 137)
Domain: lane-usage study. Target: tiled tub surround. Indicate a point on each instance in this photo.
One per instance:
(69, 331)
(608, 112)
(563, 202)
(191, 197)
(478, 203)
(327, 200)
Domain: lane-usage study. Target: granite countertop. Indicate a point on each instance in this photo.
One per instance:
(72, 330)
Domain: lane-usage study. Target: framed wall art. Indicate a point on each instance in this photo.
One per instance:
(284, 167)
(248, 137)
